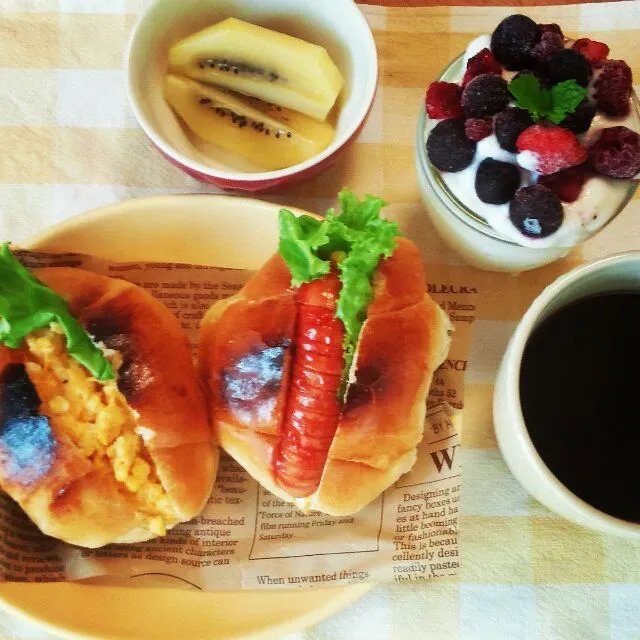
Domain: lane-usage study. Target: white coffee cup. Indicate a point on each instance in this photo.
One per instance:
(615, 273)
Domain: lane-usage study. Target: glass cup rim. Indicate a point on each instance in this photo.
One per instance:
(460, 210)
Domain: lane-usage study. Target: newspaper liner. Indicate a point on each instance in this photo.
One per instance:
(246, 537)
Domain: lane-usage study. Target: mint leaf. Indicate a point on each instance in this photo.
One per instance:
(359, 236)
(551, 104)
(565, 98)
(530, 95)
(26, 304)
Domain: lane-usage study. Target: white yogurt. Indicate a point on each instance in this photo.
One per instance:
(600, 199)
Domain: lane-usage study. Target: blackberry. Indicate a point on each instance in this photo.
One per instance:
(567, 64)
(513, 40)
(549, 28)
(536, 211)
(448, 147)
(509, 124)
(580, 120)
(485, 95)
(496, 182)
(616, 153)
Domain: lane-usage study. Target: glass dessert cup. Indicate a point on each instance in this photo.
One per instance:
(466, 231)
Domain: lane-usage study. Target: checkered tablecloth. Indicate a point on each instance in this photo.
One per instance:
(68, 143)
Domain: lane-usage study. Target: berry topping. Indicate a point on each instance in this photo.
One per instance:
(448, 147)
(549, 28)
(478, 128)
(509, 124)
(616, 153)
(580, 120)
(482, 62)
(513, 40)
(566, 184)
(536, 211)
(549, 149)
(496, 182)
(485, 95)
(567, 64)
(443, 100)
(595, 52)
(549, 43)
(613, 88)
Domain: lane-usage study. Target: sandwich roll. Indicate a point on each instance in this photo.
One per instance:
(317, 380)
(104, 432)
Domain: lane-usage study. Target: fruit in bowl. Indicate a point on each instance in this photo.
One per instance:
(252, 96)
(533, 136)
(256, 92)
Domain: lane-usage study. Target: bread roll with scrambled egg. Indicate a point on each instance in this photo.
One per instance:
(94, 462)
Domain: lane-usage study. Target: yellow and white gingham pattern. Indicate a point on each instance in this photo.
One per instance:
(69, 143)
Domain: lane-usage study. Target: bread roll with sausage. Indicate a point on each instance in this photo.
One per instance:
(99, 461)
(256, 346)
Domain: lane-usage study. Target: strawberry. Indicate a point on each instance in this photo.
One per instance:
(548, 149)
(483, 62)
(567, 184)
(443, 100)
(595, 52)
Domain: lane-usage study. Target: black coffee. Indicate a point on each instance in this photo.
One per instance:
(580, 395)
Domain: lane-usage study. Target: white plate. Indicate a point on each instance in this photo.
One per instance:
(224, 231)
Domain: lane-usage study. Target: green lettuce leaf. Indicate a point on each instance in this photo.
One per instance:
(355, 239)
(26, 304)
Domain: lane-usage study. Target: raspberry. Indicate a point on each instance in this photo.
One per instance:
(595, 52)
(509, 124)
(536, 211)
(550, 148)
(485, 95)
(482, 62)
(549, 43)
(549, 28)
(513, 40)
(478, 128)
(448, 147)
(580, 120)
(613, 88)
(566, 184)
(616, 153)
(443, 100)
(567, 64)
(496, 181)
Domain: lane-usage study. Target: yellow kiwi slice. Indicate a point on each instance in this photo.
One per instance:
(271, 136)
(260, 62)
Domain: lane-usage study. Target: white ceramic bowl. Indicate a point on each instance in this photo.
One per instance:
(337, 25)
(614, 273)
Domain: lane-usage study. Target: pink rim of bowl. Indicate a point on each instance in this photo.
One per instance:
(336, 24)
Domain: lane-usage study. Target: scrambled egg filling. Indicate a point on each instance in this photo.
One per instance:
(97, 417)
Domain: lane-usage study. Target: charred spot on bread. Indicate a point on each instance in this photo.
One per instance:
(252, 382)
(27, 443)
(18, 396)
(114, 331)
(361, 391)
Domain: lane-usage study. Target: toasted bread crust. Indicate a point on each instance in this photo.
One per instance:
(69, 497)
